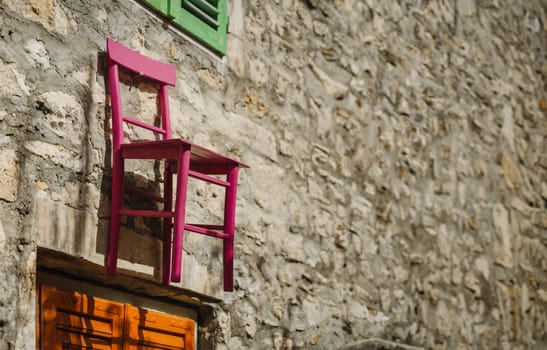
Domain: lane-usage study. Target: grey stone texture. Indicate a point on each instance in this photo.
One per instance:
(398, 180)
(378, 344)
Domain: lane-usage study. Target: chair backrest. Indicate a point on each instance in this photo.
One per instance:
(162, 73)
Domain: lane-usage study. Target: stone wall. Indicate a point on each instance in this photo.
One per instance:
(398, 182)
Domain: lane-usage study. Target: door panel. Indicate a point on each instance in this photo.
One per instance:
(71, 320)
(153, 330)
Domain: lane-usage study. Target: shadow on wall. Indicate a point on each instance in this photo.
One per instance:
(140, 237)
(75, 219)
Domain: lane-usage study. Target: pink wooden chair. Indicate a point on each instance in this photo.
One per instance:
(181, 157)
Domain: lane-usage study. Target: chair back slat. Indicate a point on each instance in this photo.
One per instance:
(146, 66)
(144, 125)
(161, 73)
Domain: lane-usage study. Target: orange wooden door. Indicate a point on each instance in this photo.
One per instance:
(150, 330)
(71, 320)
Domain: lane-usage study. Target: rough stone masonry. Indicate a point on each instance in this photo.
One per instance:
(398, 187)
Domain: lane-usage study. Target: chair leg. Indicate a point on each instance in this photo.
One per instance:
(229, 227)
(167, 223)
(180, 214)
(116, 205)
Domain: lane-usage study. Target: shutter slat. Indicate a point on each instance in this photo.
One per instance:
(206, 7)
(199, 13)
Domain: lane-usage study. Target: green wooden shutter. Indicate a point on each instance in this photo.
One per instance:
(206, 20)
(160, 5)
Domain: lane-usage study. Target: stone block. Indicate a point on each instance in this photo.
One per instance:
(84, 196)
(510, 170)
(298, 219)
(13, 82)
(236, 55)
(63, 115)
(472, 283)
(256, 105)
(331, 86)
(9, 174)
(62, 228)
(52, 15)
(503, 254)
(57, 154)
(259, 71)
(212, 80)
(2, 236)
(87, 76)
(483, 266)
(37, 54)
(292, 247)
(322, 222)
(237, 18)
(269, 190)
(197, 277)
(317, 191)
(378, 344)
(288, 273)
(259, 139)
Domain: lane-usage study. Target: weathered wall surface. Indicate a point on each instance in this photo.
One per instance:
(398, 186)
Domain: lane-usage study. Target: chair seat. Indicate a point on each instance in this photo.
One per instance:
(202, 159)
